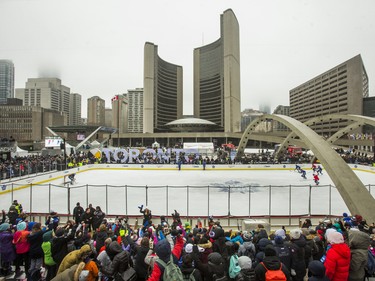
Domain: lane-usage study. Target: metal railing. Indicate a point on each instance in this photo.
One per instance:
(16, 172)
(190, 201)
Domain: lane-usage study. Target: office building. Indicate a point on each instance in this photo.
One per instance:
(120, 113)
(280, 110)
(340, 90)
(135, 110)
(217, 94)
(162, 94)
(247, 116)
(48, 93)
(95, 111)
(108, 117)
(369, 110)
(27, 124)
(6, 80)
(75, 109)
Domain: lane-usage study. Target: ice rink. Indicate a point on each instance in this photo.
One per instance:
(191, 192)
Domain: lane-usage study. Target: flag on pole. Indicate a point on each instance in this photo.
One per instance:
(114, 98)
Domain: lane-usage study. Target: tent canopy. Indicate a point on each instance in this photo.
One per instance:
(19, 152)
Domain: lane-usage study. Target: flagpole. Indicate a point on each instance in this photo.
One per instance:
(118, 121)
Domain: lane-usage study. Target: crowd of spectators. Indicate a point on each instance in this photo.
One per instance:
(90, 247)
(27, 165)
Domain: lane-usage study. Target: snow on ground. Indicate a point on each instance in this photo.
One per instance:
(191, 192)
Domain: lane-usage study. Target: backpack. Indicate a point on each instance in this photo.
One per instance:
(249, 253)
(274, 275)
(189, 277)
(370, 267)
(283, 252)
(171, 271)
(234, 267)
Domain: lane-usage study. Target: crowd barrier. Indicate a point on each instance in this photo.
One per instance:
(39, 196)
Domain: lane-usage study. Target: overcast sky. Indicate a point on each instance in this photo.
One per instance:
(96, 46)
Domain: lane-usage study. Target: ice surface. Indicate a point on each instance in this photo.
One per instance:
(191, 192)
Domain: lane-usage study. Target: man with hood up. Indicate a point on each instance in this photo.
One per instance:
(120, 260)
(337, 260)
(72, 273)
(247, 272)
(74, 257)
(359, 242)
(216, 267)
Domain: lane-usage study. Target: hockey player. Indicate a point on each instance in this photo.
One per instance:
(320, 170)
(303, 173)
(316, 178)
(313, 167)
(71, 178)
(298, 168)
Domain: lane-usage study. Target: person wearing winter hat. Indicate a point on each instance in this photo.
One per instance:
(247, 273)
(216, 266)
(283, 251)
(306, 224)
(337, 261)
(49, 263)
(36, 254)
(189, 248)
(59, 245)
(204, 248)
(53, 220)
(247, 248)
(270, 262)
(297, 248)
(7, 252)
(317, 271)
(260, 246)
(164, 252)
(187, 227)
(218, 240)
(280, 232)
(295, 233)
(187, 268)
(22, 247)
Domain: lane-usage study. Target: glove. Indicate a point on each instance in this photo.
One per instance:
(293, 272)
(140, 207)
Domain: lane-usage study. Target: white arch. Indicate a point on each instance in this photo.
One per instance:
(358, 122)
(355, 195)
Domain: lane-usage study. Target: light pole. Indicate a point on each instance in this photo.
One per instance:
(64, 154)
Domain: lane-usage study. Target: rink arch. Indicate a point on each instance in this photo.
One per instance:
(358, 121)
(350, 187)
